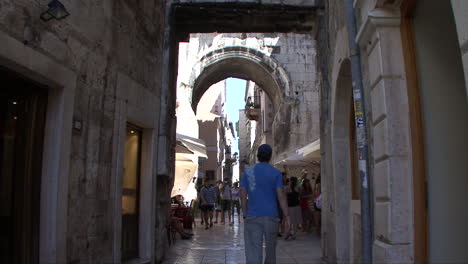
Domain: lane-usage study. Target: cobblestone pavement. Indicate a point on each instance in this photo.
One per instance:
(225, 244)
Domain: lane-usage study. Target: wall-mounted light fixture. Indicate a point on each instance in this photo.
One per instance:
(56, 10)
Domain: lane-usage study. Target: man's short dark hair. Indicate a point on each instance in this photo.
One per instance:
(264, 153)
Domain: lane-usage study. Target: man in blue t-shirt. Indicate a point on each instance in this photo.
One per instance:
(208, 195)
(263, 185)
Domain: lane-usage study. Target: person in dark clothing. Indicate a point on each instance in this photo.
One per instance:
(294, 209)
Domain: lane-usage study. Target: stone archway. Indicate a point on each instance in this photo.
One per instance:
(336, 164)
(342, 160)
(244, 63)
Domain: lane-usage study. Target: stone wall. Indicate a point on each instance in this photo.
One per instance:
(99, 42)
(386, 108)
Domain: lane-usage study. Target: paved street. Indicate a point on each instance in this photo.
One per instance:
(225, 244)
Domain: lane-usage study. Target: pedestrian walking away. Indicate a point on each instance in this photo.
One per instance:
(235, 202)
(226, 196)
(307, 205)
(208, 196)
(217, 206)
(294, 209)
(262, 185)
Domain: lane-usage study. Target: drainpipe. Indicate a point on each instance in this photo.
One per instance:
(164, 132)
(361, 135)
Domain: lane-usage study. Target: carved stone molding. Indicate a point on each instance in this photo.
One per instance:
(379, 17)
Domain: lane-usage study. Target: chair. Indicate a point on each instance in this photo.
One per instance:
(185, 216)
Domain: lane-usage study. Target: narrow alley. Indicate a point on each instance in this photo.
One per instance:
(225, 244)
(113, 113)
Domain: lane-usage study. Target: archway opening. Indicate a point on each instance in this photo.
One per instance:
(345, 171)
(201, 98)
(243, 63)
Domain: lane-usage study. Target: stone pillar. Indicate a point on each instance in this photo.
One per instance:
(379, 37)
(328, 196)
(460, 11)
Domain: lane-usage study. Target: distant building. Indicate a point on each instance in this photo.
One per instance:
(217, 132)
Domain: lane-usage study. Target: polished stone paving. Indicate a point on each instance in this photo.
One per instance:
(225, 244)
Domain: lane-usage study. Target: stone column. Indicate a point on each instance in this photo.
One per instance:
(379, 37)
(460, 11)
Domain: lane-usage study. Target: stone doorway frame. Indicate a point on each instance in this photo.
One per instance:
(60, 83)
(417, 135)
(136, 107)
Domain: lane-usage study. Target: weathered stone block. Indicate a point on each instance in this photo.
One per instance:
(391, 186)
(391, 50)
(397, 115)
(386, 253)
(390, 116)
(379, 105)
(385, 57)
(76, 175)
(375, 64)
(54, 46)
(382, 221)
(381, 140)
(401, 200)
(382, 180)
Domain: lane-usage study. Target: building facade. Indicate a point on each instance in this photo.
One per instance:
(411, 77)
(92, 80)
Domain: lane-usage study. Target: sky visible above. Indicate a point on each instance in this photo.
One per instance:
(235, 90)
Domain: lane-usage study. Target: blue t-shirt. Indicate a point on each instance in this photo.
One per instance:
(209, 193)
(261, 182)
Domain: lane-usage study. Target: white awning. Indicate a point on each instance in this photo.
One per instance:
(292, 159)
(186, 144)
(184, 173)
(308, 154)
(310, 151)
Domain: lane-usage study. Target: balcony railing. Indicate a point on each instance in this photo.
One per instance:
(252, 107)
(253, 102)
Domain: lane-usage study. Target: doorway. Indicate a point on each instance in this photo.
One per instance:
(131, 192)
(444, 112)
(22, 121)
